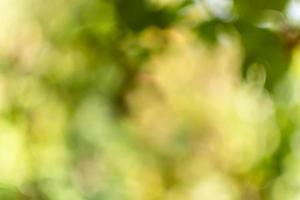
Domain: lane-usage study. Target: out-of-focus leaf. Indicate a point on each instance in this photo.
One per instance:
(265, 48)
(262, 47)
(252, 9)
(136, 15)
(209, 30)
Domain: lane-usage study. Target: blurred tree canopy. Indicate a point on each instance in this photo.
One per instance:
(149, 100)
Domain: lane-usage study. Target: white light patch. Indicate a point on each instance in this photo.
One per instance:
(220, 8)
(293, 11)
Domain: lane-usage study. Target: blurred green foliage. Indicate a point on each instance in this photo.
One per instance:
(149, 100)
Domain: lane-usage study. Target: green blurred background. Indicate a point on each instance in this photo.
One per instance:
(150, 100)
